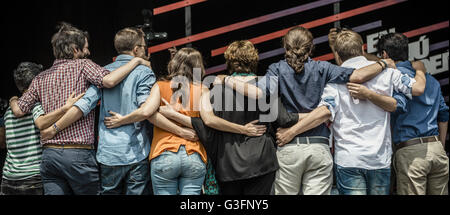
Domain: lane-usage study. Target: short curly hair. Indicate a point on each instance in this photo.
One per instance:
(24, 74)
(242, 57)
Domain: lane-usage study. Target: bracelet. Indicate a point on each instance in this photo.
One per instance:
(379, 63)
(385, 64)
(56, 128)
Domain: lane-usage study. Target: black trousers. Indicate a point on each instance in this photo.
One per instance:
(261, 185)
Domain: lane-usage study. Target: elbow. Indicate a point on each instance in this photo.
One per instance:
(39, 125)
(418, 91)
(392, 108)
(108, 83)
(357, 79)
(18, 114)
(145, 114)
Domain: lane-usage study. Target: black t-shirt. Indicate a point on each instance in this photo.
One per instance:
(236, 156)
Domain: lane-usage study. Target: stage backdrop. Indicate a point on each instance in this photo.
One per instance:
(210, 25)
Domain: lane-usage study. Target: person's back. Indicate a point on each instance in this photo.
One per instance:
(24, 151)
(239, 156)
(361, 128)
(21, 172)
(129, 143)
(428, 103)
(419, 129)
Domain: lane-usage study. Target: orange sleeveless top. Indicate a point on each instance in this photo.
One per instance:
(164, 140)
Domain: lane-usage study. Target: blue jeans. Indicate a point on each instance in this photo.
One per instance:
(125, 180)
(172, 172)
(69, 171)
(356, 181)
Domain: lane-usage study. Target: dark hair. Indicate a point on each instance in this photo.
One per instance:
(184, 62)
(395, 45)
(127, 38)
(298, 43)
(242, 57)
(67, 39)
(25, 73)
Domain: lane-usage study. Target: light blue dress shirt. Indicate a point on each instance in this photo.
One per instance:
(130, 143)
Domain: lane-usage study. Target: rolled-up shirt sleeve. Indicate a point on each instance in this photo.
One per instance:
(401, 102)
(443, 114)
(30, 97)
(89, 101)
(335, 74)
(144, 86)
(402, 83)
(94, 73)
(330, 99)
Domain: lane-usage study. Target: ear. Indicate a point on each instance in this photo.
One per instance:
(135, 50)
(363, 51)
(385, 55)
(338, 59)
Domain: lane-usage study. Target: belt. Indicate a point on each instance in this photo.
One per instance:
(416, 141)
(70, 146)
(309, 140)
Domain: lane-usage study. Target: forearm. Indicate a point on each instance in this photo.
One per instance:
(366, 73)
(443, 126)
(244, 88)
(180, 118)
(312, 120)
(47, 120)
(16, 109)
(418, 88)
(162, 122)
(371, 57)
(386, 103)
(116, 76)
(220, 124)
(71, 116)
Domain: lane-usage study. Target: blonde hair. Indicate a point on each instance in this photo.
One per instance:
(298, 43)
(348, 44)
(241, 56)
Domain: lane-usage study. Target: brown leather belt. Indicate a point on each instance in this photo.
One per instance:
(70, 146)
(418, 140)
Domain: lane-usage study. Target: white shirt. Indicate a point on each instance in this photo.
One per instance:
(362, 129)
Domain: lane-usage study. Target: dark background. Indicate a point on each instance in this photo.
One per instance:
(27, 27)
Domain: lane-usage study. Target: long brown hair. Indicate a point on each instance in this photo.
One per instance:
(184, 62)
(298, 43)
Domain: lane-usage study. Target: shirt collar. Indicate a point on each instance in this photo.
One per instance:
(353, 60)
(124, 57)
(406, 64)
(61, 61)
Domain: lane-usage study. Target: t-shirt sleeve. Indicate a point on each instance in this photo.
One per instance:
(37, 111)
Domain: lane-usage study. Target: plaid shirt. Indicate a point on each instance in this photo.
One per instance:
(52, 88)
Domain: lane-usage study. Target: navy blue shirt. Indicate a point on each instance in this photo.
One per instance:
(418, 117)
(301, 92)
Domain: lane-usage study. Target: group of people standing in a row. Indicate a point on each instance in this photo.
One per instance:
(191, 144)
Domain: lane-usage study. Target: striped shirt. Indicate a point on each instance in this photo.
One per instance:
(24, 153)
(52, 88)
